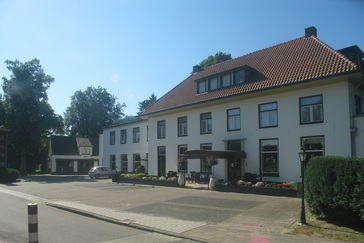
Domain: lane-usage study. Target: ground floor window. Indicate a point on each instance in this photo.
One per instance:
(314, 146)
(269, 156)
(181, 151)
(124, 162)
(136, 161)
(113, 162)
(204, 167)
(161, 161)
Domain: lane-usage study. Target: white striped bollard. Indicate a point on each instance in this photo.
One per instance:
(33, 222)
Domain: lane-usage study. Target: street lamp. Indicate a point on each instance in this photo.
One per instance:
(303, 156)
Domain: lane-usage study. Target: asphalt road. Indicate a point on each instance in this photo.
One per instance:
(62, 226)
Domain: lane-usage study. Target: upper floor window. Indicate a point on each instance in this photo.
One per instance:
(240, 77)
(213, 84)
(112, 138)
(205, 123)
(311, 109)
(123, 136)
(233, 119)
(136, 135)
(225, 80)
(268, 115)
(182, 126)
(269, 156)
(161, 129)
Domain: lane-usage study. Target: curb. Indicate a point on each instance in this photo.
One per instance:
(123, 223)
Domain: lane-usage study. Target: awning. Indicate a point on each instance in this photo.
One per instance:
(202, 154)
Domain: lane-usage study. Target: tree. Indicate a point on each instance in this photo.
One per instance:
(2, 111)
(147, 102)
(212, 60)
(28, 114)
(90, 111)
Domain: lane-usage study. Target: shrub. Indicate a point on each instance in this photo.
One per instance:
(140, 169)
(8, 175)
(334, 186)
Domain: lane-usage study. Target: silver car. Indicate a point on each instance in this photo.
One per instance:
(101, 171)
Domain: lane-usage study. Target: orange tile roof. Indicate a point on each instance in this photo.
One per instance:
(287, 63)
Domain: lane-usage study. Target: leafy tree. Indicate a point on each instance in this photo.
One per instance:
(2, 111)
(90, 111)
(147, 102)
(28, 114)
(217, 58)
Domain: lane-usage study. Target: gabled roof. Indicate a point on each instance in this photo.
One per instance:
(67, 145)
(125, 121)
(302, 59)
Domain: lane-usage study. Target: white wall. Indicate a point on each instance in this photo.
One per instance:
(335, 128)
(129, 148)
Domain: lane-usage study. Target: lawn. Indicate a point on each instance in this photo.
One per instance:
(320, 227)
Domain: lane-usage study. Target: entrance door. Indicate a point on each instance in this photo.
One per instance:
(161, 161)
(234, 164)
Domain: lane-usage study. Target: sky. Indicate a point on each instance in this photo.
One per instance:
(134, 48)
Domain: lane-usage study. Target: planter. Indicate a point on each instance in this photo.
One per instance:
(147, 182)
(268, 191)
(182, 180)
(212, 183)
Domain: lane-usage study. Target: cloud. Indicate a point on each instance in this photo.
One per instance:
(115, 78)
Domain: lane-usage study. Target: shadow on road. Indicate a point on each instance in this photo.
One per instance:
(57, 178)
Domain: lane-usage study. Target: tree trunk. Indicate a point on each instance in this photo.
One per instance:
(23, 163)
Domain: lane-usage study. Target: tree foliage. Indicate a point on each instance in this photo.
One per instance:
(28, 114)
(147, 102)
(217, 58)
(90, 111)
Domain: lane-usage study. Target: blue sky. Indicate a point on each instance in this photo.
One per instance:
(134, 48)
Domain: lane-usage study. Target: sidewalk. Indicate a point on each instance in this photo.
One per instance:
(193, 213)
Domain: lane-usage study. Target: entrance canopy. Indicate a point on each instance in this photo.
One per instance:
(202, 154)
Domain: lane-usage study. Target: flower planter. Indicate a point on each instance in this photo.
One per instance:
(147, 182)
(182, 181)
(268, 191)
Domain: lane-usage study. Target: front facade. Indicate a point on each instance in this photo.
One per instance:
(268, 104)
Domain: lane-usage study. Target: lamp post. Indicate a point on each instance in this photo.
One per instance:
(303, 155)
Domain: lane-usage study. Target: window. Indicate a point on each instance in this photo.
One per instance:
(311, 109)
(123, 136)
(233, 119)
(206, 123)
(314, 146)
(358, 110)
(201, 88)
(204, 167)
(113, 162)
(136, 135)
(136, 161)
(268, 115)
(182, 126)
(161, 160)
(124, 162)
(181, 150)
(112, 138)
(161, 129)
(85, 150)
(269, 156)
(213, 84)
(225, 80)
(240, 77)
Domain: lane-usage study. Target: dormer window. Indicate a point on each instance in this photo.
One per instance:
(213, 84)
(225, 80)
(240, 77)
(201, 88)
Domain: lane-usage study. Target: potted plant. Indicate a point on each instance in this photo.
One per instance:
(182, 164)
(212, 161)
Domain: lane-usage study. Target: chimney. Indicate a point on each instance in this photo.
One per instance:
(196, 68)
(310, 31)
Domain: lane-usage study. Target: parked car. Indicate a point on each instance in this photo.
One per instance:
(101, 171)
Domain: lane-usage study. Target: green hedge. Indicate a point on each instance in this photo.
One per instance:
(334, 186)
(8, 175)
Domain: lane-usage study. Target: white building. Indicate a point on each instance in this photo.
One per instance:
(266, 105)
